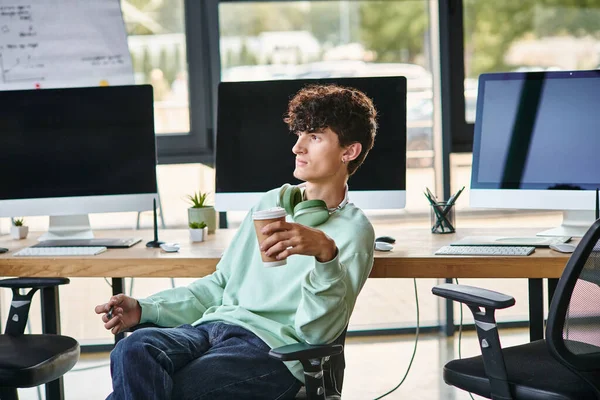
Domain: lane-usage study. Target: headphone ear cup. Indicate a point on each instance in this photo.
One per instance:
(290, 197)
(281, 192)
(311, 212)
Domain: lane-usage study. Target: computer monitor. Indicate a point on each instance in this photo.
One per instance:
(254, 145)
(536, 145)
(69, 152)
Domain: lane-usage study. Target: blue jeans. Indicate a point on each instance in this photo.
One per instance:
(208, 361)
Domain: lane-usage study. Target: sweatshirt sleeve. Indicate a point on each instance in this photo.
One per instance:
(329, 292)
(184, 305)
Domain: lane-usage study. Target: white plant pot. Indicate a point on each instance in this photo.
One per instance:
(208, 215)
(198, 235)
(19, 232)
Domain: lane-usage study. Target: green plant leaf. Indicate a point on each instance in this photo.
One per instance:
(197, 199)
(197, 225)
(18, 221)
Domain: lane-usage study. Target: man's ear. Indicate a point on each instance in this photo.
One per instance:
(352, 151)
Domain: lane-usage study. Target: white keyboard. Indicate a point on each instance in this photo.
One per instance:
(485, 250)
(59, 251)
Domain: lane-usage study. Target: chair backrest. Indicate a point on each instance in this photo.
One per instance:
(573, 329)
(333, 370)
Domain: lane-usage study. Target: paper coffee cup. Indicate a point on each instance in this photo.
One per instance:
(261, 219)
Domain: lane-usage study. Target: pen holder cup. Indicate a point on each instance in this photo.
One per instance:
(442, 218)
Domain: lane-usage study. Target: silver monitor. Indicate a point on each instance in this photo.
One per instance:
(537, 145)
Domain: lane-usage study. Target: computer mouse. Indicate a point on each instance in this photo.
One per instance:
(563, 247)
(170, 247)
(3, 250)
(383, 246)
(386, 239)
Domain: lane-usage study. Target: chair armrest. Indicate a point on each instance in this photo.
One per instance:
(312, 358)
(487, 330)
(473, 296)
(34, 283)
(20, 304)
(304, 351)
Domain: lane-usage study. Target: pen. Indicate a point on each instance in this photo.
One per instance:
(454, 197)
(109, 313)
(445, 212)
(431, 195)
(436, 207)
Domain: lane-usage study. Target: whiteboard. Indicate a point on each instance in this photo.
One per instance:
(63, 43)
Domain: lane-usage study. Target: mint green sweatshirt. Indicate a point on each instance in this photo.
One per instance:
(302, 301)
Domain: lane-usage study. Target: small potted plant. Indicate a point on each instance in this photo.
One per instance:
(18, 230)
(198, 231)
(202, 212)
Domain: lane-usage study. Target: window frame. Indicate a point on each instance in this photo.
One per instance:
(197, 145)
(461, 131)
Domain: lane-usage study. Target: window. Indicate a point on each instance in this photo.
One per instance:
(159, 37)
(543, 36)
(157, 44)
(321, 39)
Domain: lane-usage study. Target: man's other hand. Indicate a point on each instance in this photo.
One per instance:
(126, 313)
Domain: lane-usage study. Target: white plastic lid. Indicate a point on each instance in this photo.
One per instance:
(271, 213)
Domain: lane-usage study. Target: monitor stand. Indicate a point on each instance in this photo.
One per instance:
(68, 227)
(574, 224)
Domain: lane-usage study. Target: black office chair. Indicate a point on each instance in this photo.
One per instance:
(323, 366)
(566, 365)
(31, 360)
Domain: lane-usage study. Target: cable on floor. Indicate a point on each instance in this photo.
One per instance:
(412, 358)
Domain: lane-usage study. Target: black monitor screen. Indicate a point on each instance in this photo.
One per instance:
(77, 142)
(254, 145)
(537, 130)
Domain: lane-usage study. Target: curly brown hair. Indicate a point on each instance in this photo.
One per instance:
(346, 111)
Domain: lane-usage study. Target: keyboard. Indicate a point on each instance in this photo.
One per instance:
(485, 250)
(535, 241)
(59, 251)
(118, 243)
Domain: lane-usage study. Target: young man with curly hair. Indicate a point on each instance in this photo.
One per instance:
(223, 325)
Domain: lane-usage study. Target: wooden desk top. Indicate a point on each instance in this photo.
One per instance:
(412, 257)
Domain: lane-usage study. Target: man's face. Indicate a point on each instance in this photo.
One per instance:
(318, 156)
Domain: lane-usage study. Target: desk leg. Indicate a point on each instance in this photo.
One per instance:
(118, 286)
(552, 283)
(449, 322)
(223, 219)
(51, 324)
(536, 309)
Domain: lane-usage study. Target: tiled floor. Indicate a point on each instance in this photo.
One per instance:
(374, 365)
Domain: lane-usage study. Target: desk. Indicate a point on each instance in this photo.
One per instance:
(412, 257)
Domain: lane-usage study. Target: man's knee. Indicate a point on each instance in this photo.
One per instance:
(134, 344)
